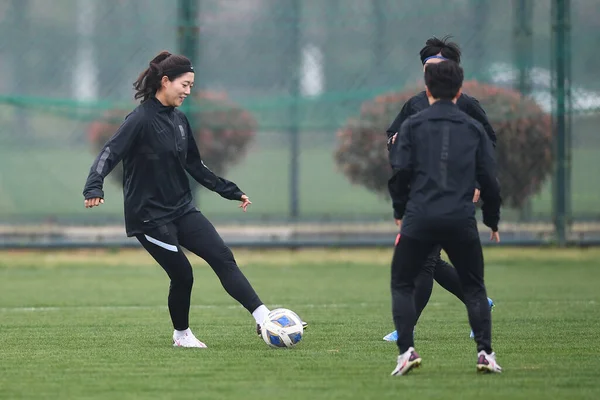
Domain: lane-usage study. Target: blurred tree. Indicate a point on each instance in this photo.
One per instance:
(524, 149)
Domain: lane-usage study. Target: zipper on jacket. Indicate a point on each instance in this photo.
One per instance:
(173, 130)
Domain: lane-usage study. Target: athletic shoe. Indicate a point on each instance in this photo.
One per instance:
(391, 337)
(406, 362)
(487, 363)
(189, 340)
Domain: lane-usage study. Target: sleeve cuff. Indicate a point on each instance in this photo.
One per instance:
(492, 225)
(93, 194)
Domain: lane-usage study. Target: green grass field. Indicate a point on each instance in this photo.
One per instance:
(94, 325)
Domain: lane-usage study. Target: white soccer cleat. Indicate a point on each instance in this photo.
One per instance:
(487, 363)
(406, 362)
(189, 340)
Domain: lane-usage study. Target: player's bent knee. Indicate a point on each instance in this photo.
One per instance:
(182, 281)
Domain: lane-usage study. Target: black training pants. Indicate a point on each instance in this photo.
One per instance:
(408, 262)
(443, 273)
(195, 233)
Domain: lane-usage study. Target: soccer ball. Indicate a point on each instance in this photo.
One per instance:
(282, 328)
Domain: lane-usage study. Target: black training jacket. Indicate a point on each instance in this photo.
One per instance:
(437, 157)
(157, 147)
(419, 102)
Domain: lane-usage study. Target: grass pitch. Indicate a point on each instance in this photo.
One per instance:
(94, 325)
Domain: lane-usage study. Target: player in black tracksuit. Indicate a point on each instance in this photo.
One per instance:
(437, 158)
(435, 51)
(157, 148)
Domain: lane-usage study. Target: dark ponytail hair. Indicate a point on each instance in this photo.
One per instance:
(164, 64)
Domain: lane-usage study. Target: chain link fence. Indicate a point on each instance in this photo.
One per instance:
(303, 71)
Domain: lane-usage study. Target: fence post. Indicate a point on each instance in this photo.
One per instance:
(293, 110)
(480, 17)
(561, 96)
(379, 38)
(187, 40)
(188, 33)
(21, 66)
(523, 53)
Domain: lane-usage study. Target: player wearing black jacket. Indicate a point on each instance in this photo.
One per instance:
(419, 102)
(435, 51)
(157, 148)
(437, 157)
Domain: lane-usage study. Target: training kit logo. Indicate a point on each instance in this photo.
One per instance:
(182, 131)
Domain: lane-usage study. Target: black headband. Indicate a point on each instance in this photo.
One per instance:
(179, 70)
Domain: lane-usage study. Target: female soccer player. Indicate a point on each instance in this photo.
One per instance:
(157, 147)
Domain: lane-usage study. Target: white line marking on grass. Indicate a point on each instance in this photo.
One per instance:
(294, 306)
(157, 307)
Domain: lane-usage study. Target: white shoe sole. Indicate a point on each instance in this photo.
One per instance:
(200, 346)
(488, 369)
(407, 368)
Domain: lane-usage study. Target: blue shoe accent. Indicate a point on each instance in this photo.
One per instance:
(393, 336)
(491, 304)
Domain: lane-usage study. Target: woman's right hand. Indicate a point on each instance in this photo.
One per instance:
(245, 202)
(95, 202)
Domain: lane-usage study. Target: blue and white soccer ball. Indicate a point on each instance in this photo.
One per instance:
(282, 328)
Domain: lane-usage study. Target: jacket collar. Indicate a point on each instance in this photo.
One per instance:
(158, 106)
(444, 109)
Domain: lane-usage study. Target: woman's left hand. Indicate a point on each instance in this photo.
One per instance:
(245, 202)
